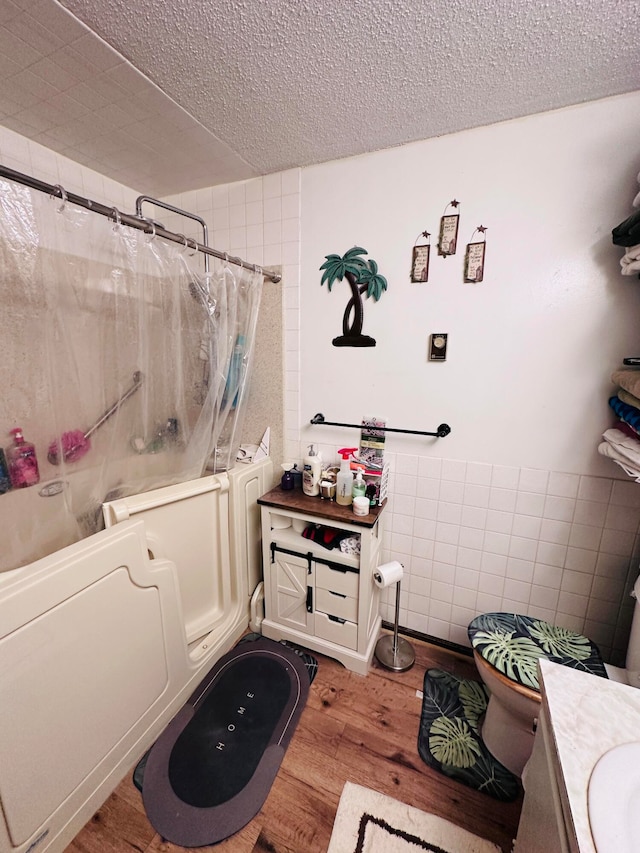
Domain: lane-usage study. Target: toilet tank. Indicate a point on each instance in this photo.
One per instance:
(633, 649)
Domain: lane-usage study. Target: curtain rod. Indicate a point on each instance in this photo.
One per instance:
(128, 219)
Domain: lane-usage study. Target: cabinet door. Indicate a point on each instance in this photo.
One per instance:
(291, 586)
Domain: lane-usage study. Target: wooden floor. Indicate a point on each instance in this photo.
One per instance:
(356, 729)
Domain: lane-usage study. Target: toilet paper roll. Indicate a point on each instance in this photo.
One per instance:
(387, 574)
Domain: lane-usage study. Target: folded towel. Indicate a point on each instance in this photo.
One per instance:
(629, 379)
(605, 449)
(624, 445)
(629, 398)
(627, 233)
(328, 537)
(628, 414)
(632, 254)
(627, 430)
(629, 266)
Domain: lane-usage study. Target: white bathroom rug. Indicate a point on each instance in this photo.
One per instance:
(368, 822)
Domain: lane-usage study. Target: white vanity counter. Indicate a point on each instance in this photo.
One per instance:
(587, 717)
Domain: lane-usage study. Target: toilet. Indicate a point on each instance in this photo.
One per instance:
(506, 650)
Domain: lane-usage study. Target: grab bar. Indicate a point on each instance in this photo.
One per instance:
(441, 432)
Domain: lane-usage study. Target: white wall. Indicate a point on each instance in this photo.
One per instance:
(515, 509)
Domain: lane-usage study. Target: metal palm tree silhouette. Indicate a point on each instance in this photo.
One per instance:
(363, 278)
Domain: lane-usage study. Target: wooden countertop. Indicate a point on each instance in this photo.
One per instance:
(295, 500)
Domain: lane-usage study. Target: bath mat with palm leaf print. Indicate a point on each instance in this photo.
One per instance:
(449, 739)
(513, 644)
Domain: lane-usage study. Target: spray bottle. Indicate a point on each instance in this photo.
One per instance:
(311, 471)
(344, 489)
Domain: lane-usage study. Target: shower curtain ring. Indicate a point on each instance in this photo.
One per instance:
(153, 230)
(195, 246)
(63, 197)
(186, 244)
(116, 217)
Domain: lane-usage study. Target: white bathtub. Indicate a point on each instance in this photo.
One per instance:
(103, 641)
(64, 507)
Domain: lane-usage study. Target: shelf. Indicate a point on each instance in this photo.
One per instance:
(287, 537)
(295, 500)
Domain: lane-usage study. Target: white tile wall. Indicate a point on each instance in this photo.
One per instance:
(558, 546)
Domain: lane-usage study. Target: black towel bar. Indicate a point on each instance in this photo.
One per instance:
(443, 429)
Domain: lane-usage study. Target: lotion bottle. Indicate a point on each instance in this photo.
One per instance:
(312, 468)
(344, 487)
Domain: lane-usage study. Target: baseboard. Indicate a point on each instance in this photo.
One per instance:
(434, 641)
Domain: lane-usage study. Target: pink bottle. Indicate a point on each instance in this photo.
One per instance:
(23, 464)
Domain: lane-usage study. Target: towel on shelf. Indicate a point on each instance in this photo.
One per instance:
(628, 414)
(627, 233)
(632, 254)
(328, 537)
(624, 445)
(627, 430)
(629, 398)
(629, 379)
(606, 449)
(630, 261)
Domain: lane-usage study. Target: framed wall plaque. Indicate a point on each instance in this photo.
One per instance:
(474, 257)
(420, 260)
(448, 237)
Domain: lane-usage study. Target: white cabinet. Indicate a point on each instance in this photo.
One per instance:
(322, 599)
(542, 822)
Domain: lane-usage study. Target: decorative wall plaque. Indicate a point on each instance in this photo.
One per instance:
(420, 259)
(474, 257)
(448, 239)
(364, 280)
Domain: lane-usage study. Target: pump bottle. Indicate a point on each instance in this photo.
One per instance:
(344, 485)
(311, 471)
(359, 485)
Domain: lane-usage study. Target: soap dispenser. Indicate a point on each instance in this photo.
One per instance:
(359, 485)
(23, 464)
(311, 471)
(287, 482)
(344, 489)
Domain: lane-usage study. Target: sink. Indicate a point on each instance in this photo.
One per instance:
(614, 800)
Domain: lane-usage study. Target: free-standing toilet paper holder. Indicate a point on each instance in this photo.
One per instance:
(394, 652)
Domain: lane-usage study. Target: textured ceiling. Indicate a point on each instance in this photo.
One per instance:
(256, 86)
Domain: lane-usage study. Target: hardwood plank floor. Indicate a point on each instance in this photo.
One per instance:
(356, 729)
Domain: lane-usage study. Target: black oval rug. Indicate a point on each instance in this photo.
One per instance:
(213, 766)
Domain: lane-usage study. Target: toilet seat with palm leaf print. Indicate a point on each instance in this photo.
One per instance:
(513, 644)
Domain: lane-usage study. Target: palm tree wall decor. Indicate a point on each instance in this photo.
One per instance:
(363, 278)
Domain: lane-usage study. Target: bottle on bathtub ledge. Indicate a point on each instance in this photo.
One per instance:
(5, 482)
(23, 463)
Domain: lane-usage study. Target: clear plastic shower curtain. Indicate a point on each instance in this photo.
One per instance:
(125, 368)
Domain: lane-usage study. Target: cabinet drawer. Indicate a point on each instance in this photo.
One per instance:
(337, 604)
(342, 633)
(332, 578)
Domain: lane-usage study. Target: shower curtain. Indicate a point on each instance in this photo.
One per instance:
(91, 309)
